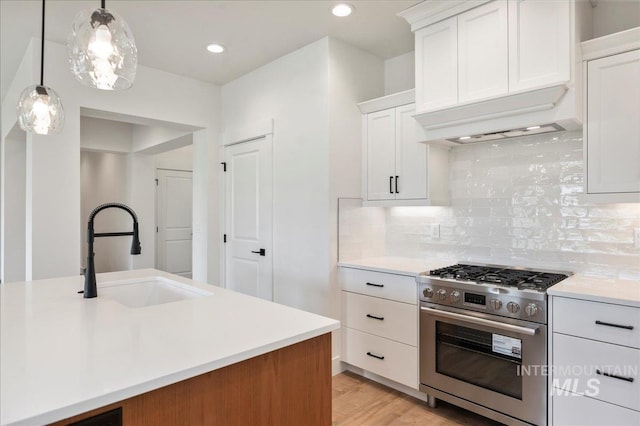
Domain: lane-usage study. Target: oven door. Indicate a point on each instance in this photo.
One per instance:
(491, 361)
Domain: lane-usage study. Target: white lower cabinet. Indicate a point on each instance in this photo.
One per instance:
(384, 357)
(385, 318)
(380, 324)
(578, 410)
(599, 370)
(595, 363)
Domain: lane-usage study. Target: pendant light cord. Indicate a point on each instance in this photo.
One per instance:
(42, 49)
(102, 2)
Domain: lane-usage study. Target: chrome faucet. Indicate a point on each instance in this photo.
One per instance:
(90, 289)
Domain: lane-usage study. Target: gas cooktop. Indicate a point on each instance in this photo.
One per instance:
(500, 275)
(504, 291)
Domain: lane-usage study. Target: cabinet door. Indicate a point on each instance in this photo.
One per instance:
(437, 66)
(411, 157)
(579, 410)
(381, 137)
(482, 52)
(539, 43)
(613, 124)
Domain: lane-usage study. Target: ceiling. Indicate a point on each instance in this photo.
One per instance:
(172, 35)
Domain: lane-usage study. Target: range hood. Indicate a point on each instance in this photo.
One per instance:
(549, 109)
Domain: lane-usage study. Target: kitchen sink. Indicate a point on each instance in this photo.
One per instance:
(149, 291)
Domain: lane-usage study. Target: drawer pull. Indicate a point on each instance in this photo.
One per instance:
(375, 317)
(608, 324)
(375, 285)
(626, 379)
(382, 357)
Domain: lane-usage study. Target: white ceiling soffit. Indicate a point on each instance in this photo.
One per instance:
(172, 35)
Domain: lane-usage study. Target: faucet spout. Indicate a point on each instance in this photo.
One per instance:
(90, 288)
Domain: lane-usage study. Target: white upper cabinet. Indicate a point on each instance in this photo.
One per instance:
(479, 60)
(397, 168)
(437, 65)
(381, 154)
(539, 43)
(411, 157)
(612, 129)
(482, 52)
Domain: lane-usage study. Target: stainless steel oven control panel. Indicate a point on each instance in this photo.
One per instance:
(510, 303)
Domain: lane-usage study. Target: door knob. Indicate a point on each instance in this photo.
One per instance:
(261, 252)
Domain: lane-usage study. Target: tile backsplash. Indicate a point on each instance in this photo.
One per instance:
(517, 202)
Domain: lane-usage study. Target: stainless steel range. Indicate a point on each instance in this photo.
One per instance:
(479, 325)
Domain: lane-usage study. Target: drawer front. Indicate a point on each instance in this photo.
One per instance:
(576, 363)
(598, 321)
(378, 284)
(385, 318)
(577, 410)
(399, 363)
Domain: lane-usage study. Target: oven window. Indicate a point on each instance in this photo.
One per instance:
(467, 354)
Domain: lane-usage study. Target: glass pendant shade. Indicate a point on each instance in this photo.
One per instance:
(102, 51)
(39, 107)
(40, 110)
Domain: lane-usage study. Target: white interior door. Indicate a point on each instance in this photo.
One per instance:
(248, 201)
(174, 215)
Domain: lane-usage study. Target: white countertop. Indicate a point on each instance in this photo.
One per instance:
(608, 290)
(62, 355)
(394, 265)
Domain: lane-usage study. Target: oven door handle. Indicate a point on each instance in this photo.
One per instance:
(481, 321)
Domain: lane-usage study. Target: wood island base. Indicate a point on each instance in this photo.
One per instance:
(289, 386)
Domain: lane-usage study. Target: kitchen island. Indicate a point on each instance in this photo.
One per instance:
(221, 358)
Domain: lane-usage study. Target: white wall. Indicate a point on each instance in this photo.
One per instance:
(311, 94)
(354, 76)
(105, 178)
(105, 135)
(177, 159)
(293, 90)
(14, 169)
(146, 137)
(53, 162)
(399, 73)
(611, 16)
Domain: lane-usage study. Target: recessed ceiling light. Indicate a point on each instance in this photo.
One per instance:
(215, 48)
(533, 128)
(464, 138)
(342, 9)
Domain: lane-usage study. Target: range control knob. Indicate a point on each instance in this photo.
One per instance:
(454, 296)
(532, 309)
(495, 304)
(427, 292)
(442, 294)
(513, 307)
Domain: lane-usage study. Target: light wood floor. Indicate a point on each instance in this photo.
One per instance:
(359, 401)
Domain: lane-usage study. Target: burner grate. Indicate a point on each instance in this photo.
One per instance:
(522, 279)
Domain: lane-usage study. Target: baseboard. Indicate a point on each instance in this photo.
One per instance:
(388, 383)
(337, 366)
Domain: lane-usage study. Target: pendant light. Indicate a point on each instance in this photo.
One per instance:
(39, 107)
(102, 51)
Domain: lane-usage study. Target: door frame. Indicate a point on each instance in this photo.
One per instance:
(245, 133)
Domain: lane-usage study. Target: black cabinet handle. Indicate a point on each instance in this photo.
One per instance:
(375, 317)
(375, 285)
(608, 324)
(261, 252)
(375, 356)
(390, 184)
(626, 379)
(397, 178)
